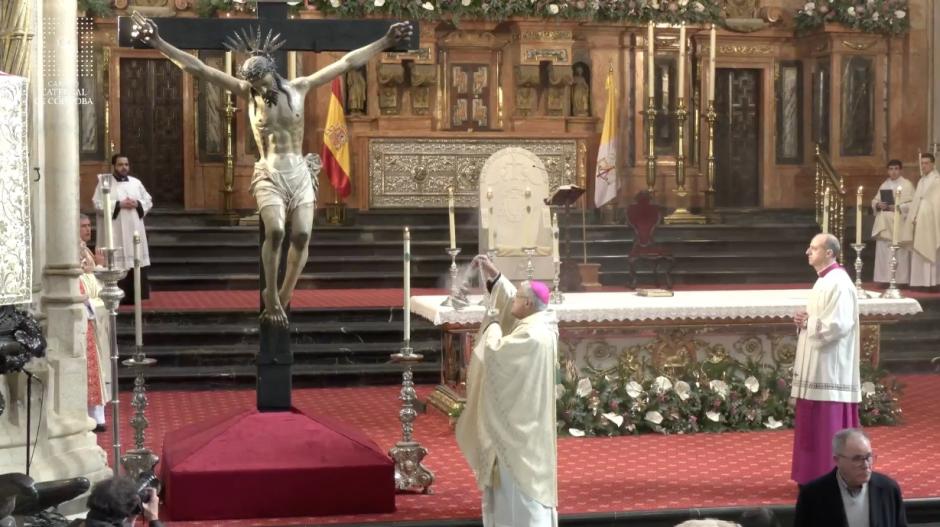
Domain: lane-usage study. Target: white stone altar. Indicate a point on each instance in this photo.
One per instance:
(598, 330)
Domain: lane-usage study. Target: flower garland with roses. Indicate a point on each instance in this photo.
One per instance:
(718, 395)
(888, 17)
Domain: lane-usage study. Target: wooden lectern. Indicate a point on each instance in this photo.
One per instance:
(563, 197)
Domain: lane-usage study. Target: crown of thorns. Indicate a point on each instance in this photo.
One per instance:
(252, 42)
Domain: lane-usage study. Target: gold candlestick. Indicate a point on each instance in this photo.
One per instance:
(651, 144)
(682, 214)
(711, 117)
(228, 181)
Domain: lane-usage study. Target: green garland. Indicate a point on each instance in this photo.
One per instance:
(887, 17)
(95, 8)
(721, 394)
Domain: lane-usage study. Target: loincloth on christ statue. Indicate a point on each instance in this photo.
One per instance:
(292, 188)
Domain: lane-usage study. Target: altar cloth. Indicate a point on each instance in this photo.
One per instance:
(685, 305)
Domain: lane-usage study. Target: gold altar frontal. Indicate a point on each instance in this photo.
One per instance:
(610, 332)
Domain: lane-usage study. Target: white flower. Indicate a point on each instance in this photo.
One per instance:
(334, 3)
(465, 2)
(719, 387)
(683, 3)
(875, 16)
(584, 387)
(868, 388)
(850, 11)
(614, 418)
(379, 3)
(575, 432)
(559, 391)
(713, 416)
(553, 9)
(654, 417)
(683, 389)
(900, 13)
(698, 6)
(809, 8)
(634, 389)
(654, 4)
(752, 384)
(428, 5)
(662, 384)
(772, 423)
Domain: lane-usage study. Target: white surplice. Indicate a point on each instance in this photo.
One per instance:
(882, 231)
(924, 221)
(127, 222)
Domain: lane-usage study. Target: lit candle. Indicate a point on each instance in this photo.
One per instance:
(650, 59)
(896, 228)
(711, 64)
(138, 315)
(825, 224)
(407, 305)
(228, 62)
(108, 211)
(858, 217)
(450, 217)
(681, 80)
(556, 254)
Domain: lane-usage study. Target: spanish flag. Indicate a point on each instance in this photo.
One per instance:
(605, 182)
(336, 144)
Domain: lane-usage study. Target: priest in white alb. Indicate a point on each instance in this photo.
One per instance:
(507, 428)
(130, 203)
(882, 230)
(923, 220)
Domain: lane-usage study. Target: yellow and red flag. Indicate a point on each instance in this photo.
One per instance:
(336, 143)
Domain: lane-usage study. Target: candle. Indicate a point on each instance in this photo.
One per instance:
(228, 62)
(650, 59)
(825, 224)
(896, 228)
(138, 315)
(858, 217)
(291, 65)
(681, 80)
(711, 64)
(407, 305)
(556, 254)
(450, 217)
(108, 211)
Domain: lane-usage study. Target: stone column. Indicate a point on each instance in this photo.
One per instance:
(66, 447)
(37, 193)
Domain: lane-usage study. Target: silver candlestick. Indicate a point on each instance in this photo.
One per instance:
(410, 474)
(140, 460)
(893, 292)
(457, 299)
(111, 295)
(529, 267)
(860, 293)
(557, 297)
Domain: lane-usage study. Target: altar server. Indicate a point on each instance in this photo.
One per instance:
(507, 428)
(882, 229)
(826, 368)
(924, 220)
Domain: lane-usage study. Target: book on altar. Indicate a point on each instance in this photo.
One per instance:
(886, 196)
(653, 292)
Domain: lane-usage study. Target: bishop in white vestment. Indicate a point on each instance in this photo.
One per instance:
(882, 230)
(507, 428)
(924, 220)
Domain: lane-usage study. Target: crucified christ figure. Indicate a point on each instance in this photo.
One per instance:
(283, 181)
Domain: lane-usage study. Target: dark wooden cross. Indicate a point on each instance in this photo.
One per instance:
(274, 359)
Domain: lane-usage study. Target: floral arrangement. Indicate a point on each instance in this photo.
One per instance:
(95, 8)
(717, 395)
(889, 17)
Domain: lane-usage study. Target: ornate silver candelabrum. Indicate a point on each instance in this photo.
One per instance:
(140, 460)
(111, 295)
(529, 266)
(410, 474)
(859, 292)
(457, 299)
(557, 297)
(893, 292)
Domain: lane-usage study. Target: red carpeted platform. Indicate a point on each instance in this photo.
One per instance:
(262, 465)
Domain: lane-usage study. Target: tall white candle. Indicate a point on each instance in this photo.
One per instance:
(681, 80)
(858, 217)
(291, 65)
(711, 64)
(650, 59)
(450, 217)
(825, 224)
(108, 211)
(896, 228)
(407, 285)
(556, 254)
(228, 62)
(138, 314)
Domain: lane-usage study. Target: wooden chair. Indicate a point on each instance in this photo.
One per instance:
(643, 216)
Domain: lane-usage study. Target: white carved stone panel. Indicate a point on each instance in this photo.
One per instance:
(15, 243)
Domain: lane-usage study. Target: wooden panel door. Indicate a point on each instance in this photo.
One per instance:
(737, 138)
(152, 126)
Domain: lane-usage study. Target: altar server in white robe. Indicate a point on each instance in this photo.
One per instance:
(130, 203)
(923, 220)
(507, 428)
(882, 229)
(826, 368)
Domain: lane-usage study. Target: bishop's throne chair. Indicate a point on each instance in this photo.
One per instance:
(643, 216)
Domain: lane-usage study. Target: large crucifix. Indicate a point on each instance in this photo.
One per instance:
(284, 178)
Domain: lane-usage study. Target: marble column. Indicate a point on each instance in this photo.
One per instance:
(65, 447)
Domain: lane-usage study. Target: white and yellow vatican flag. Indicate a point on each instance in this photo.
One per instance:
(605, 180)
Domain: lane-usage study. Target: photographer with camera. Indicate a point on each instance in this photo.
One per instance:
(117, 502)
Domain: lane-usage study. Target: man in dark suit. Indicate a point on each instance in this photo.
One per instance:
(852, 495)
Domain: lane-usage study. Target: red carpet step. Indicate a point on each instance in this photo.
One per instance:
(274, 464)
